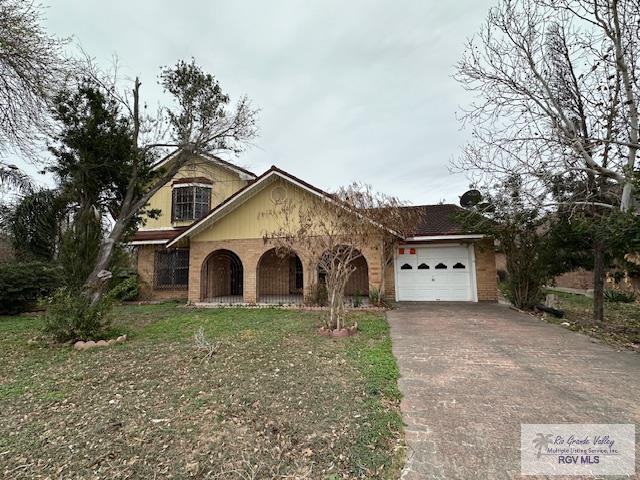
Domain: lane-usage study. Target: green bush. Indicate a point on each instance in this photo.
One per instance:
(127, 289)
(357, 300)
(376, 297)
(619, 296)
(70, 317)
(23, 283)
(318, 294)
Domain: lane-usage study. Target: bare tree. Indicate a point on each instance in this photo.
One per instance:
(556, 88)
(399, 219)
(333, 232)
(199, 122)
(32, 69)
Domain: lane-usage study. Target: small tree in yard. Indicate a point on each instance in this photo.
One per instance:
(333, 231)
(200, 122)
(399, 219)
(106, 150)
(522, 232)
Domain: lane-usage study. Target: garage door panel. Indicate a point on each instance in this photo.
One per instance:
(429, 274)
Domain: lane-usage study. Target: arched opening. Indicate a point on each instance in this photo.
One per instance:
(222, 278)
(356, 291)
(280, 278)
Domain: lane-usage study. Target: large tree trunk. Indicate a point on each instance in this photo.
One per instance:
(95, 285)
(598, 281)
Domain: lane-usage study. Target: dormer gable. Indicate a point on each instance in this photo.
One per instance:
(201, 183)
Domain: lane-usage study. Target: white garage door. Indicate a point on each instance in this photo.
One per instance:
(432, 273)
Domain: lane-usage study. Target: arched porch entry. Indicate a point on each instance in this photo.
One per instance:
(356, 290)
(222, 278)
(280, 279)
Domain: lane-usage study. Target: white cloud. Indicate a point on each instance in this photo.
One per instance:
(354, 90)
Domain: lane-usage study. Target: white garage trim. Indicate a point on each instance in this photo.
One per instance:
(430, 238)
(471, 260)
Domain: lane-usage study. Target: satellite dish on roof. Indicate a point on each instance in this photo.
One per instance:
(470, 198)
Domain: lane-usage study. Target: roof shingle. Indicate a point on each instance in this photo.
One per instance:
(438, 220)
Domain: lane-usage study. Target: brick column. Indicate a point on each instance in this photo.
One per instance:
(197, 253)
(310, 274)
(374, 264)
(486, 270)
(250, 256)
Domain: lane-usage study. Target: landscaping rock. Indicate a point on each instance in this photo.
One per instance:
(121, 339)
(112, 341)
(89, 344)
(102, 343)
(565, 324)
(79, 345)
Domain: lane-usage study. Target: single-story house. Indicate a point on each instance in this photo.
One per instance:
(207, 245)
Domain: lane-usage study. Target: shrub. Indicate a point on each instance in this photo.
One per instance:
(70, 317)
(318, 294)
(357, 300)
(619, 296)
(23, 283)
(375, 297)
(127, 289)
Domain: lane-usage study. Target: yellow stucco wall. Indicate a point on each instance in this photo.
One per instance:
(225, 184)
(255, 217)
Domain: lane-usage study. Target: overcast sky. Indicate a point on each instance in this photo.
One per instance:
(349, 90)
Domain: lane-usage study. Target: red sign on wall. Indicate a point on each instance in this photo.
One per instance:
(401, 251)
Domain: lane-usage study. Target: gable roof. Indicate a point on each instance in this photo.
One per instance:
(247, 192)
(241, 172)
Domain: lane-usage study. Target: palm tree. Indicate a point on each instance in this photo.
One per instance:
(541, 441)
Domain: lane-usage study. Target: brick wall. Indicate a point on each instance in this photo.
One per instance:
(501, 261)
(486, 270)
(390, 283)
(145, 261)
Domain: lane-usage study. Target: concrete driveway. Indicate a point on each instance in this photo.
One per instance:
(472, 373)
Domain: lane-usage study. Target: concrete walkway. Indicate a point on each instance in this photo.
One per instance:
(472, 373)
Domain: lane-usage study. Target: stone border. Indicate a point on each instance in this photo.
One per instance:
(80, 345)
(342, 333)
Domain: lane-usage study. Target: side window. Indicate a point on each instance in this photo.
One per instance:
(423, 266)
(459, 266)
(171, 269)
(441, 266)
(406, 266)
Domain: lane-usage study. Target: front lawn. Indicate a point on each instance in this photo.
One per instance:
(276, 401)
(621, 326)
